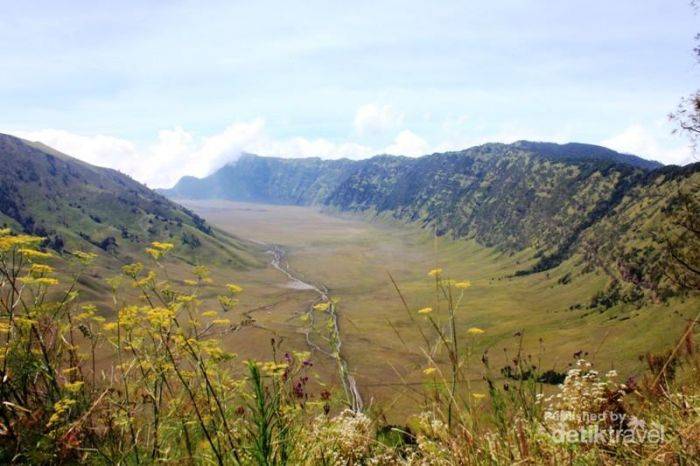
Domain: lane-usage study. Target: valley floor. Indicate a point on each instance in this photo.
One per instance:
(351, 257)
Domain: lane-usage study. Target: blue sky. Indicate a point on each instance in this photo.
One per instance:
(163, 89)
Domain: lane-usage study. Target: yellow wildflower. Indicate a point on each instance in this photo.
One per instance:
(202, 273)
(475, 331)
(233, 288)
(158, 249)
(322, 307)
(210, 314)
(165, 247)
(148, 280)
(434, 272)
(221, 322)
(40, 269)
(109, 326)
(227, 302)
(272, 368)
(20, 241)
(129, 316)
(160, 316)
(186, 298)
(84, 257)
(478, 396)
(33, 254)
(41, 281)
(425, 310)
(463, 285)
(74, 387)
(429, 370)
(61, 408)
(132, 270)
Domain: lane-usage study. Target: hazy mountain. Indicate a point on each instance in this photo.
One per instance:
(80, 206)
(555, 199)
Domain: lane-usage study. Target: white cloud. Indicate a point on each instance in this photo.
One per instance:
(99, 150)
(176, 152)
(302, 147)
(408, 143)
(373, 120)
(640, 140)
(224, 147)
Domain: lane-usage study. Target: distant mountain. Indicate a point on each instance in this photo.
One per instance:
(548, 197)
(311, 180)
(76, 205)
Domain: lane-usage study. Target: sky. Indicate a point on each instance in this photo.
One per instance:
(162, 89)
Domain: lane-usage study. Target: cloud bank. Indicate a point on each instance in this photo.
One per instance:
(176, 152)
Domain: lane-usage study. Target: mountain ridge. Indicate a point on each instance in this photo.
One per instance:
(543, 196)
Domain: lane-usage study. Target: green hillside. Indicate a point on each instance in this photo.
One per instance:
(554, 200)
(75, 205)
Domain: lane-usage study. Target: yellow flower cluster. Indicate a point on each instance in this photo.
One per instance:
(129, 316)
(158, 249)
(147, 281)
(227, 302)
(132, 270)
(40, 281)
(84, 257)
(322, 307)
(74, 387)
(202, 273)
(37, 270)
(33, 254)
(273, 368)
(233, 288)
(159, 316)
(8, 243)
(61, 409)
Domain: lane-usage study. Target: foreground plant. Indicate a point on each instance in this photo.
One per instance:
(154, 384)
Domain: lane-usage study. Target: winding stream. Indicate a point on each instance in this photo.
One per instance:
(352, 393)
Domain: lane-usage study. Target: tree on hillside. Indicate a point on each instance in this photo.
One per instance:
(684, 249)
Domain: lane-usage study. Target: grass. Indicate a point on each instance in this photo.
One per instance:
(353, 256)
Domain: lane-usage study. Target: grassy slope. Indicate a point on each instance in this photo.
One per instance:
(79, 206)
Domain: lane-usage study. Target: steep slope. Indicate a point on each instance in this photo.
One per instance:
(514, 196)
(551, 198)
(649, 243)
(80, 206)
